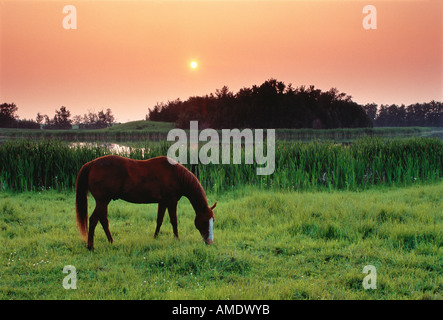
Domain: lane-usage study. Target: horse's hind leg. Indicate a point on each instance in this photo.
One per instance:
(99, 211)
(172, 210)
(160, 215)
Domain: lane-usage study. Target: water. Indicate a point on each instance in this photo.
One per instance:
(114, 148)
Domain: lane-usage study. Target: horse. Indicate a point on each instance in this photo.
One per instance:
(157, 180)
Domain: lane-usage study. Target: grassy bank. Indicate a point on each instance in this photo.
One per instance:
(350, 134)
(158, 131)
(130, 131)
(268, 245)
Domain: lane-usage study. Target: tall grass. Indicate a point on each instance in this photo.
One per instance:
(368, 161)
(53, 164)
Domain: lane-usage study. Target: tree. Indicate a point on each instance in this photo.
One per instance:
(92, 120)
(371, 110)
(269, 105)
(61, 118)
(77, 119)
(418, 114)
(105, 119)
(8, 118)
(154, 114)
(39, 118)
(27, 124)
(48, 122)
(434, 117)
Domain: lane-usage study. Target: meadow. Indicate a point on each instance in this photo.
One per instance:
(268, 245)
(306, 232)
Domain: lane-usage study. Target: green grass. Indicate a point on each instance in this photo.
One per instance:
(154, 126)
(42, 164)
(306, 232)
(350, 134)
(134, 130)
(268, 245)
(157, 131)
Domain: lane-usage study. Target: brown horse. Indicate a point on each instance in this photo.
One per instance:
(157, 180)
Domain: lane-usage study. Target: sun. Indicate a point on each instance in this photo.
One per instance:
(194, 64)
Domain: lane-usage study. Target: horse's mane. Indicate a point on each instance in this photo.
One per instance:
(192, 188)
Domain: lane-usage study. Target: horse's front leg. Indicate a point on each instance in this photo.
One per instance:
(105, 223)
(172, 210)
(93, 219)
(160, 215)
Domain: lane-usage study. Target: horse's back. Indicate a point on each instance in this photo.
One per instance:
(140, 181)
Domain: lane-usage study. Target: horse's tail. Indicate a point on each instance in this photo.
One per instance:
(81, 200)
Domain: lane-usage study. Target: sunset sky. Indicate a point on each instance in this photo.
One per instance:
(129, 55)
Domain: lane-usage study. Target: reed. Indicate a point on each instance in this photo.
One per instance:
(33, 165)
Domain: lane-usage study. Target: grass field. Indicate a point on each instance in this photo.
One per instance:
(268, 245)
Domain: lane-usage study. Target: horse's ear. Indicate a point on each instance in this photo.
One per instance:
(213, 206)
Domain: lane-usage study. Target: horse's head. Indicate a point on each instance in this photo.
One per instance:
(204, 223)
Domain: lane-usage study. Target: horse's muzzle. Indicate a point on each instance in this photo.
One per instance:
(209, 241)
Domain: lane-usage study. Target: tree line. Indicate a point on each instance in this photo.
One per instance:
(276, 105)
(60, 120)
(272, 104)
(419, 114)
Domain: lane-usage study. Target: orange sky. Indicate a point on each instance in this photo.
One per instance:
(128, 55)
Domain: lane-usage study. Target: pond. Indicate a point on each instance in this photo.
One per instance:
(114, 148)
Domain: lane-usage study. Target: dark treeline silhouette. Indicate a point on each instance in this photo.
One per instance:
(97, 120)
(61, 120)
(270, 105)
(9, 119)
(419, 114)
